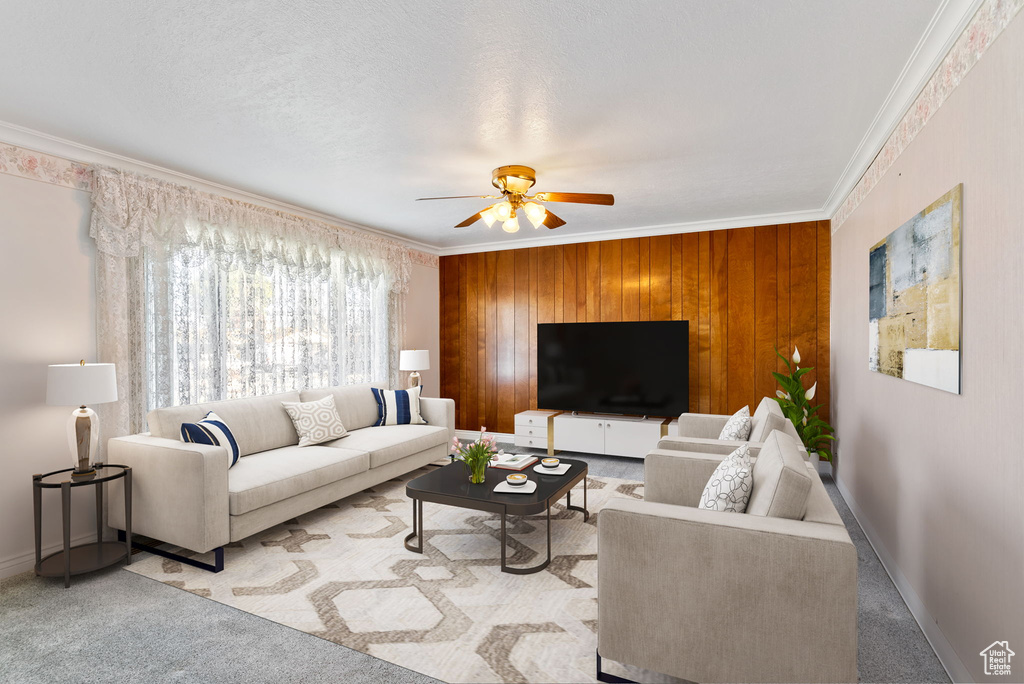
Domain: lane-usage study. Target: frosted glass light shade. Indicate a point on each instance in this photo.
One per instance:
(489, 216)
(536, 213)
(75, 384)
(414, 360)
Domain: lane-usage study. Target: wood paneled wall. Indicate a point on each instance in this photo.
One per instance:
(744, 291)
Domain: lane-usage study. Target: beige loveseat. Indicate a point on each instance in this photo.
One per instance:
(185, 494)
(711, 596)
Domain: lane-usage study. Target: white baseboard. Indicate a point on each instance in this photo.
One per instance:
(943, 649)
(15, 565)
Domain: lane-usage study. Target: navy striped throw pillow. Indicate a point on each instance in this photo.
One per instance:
(213, 431)
(398, 407)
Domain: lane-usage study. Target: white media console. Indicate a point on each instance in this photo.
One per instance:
(590, 433)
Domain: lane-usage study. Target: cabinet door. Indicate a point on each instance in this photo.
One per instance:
(579, 434)
(631, 438)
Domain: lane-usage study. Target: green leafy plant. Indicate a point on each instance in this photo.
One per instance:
(795, 402)
(476, 456)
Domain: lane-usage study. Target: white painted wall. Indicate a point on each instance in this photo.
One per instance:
(422, 323)
(937, 479)
(47, 306)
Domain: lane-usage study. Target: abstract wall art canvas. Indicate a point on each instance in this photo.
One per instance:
(914, 297)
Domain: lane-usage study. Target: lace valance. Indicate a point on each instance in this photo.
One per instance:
(131, 212)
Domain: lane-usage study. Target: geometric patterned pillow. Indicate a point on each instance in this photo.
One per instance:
(212, 431)
(738, 426)
(398, 407)
(315, 421)
(730, 484)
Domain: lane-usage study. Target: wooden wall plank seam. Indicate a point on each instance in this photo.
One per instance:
(719, 321)
(782, 300)
(676, 278)
(691, 307)
(472, 323)
(644, 277)
(611, 280)
(661, 278)
(630, 279)
(766, 329)
(521, 333)
(704, 323)
(533, 327)
(740, 307)
(823, 301)
(803, 312)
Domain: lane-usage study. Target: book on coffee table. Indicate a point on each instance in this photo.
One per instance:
(513, 461)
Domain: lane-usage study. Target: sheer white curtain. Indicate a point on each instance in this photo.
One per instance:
(203, 298)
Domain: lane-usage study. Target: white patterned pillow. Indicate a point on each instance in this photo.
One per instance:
(730, 484)
(315, 421)
(738, 427)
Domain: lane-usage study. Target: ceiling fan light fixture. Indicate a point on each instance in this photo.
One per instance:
(518, 185)
(489, 215)
(536, 213)
(514, 181)
(514, 178)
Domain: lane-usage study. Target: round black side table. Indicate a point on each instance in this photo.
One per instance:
(75, 560)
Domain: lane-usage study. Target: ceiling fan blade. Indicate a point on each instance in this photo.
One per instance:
(470, 221)
(420, 199)
(552, 221)
(576, 197)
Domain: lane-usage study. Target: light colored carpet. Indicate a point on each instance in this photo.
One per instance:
(343, 574)
(116, 626)
(112, 626)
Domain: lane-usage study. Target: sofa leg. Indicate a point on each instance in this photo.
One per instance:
(216, 566)
(605, 677)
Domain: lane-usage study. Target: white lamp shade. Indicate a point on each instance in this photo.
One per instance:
(414, 360)
(75, 384)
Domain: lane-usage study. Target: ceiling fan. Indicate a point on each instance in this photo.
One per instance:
(514, 182)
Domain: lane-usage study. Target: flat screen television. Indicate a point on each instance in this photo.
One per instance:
(637, 368)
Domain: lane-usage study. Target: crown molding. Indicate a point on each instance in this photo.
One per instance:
(21, 136)
(642, 231)
(945, 27)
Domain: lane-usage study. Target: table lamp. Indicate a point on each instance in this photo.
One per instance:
(414, 360)
(78, 384)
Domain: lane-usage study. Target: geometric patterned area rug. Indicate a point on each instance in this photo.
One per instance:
(342, 573)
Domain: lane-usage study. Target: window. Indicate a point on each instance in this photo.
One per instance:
(219, 326)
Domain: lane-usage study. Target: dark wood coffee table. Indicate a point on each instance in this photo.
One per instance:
(450, 485)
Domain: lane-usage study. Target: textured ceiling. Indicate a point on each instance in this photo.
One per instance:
(685, 110)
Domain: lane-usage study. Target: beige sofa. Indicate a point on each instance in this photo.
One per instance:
(698, 432)
(185, 494)
(713, 596)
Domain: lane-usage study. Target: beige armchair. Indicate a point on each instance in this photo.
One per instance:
(712, 596)
(698, 432)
